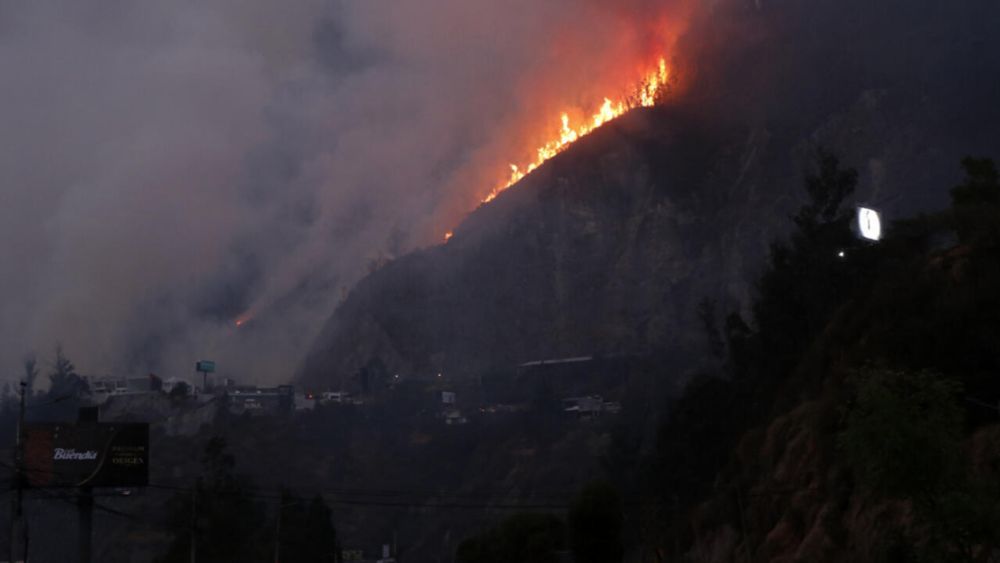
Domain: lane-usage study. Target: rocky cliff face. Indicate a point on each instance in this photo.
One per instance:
(609, 247)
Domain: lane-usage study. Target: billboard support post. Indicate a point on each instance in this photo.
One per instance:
(204, 367)
(85, 498)
(85, 519)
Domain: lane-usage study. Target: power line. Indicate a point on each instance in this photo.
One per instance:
(421, 498)
(360, 500)
(541, 500)
(351, 497)
(71, 499)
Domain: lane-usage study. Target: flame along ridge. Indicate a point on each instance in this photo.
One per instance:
(644, 94)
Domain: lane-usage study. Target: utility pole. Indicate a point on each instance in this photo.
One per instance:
(85, 495)
(194, 522)
(16, 509)
(277, 533)
(20, 471)
(282, 505)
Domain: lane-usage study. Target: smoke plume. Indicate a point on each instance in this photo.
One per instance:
(168, 169)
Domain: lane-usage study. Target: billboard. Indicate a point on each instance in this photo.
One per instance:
(87, 455)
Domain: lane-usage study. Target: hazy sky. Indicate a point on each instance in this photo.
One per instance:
(168, 166)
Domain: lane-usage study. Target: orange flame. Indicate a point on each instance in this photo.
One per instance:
(243, 319)
(643, 94)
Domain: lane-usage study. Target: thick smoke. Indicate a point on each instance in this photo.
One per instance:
(167, 168)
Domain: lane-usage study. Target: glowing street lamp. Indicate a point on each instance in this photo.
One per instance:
(869, 224)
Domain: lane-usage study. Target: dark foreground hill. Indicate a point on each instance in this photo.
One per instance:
(857, 422)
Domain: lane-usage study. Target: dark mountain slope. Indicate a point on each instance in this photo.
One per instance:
(609, 247)
(604, 250)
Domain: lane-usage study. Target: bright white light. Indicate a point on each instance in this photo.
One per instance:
(869, 223)
(841, 254)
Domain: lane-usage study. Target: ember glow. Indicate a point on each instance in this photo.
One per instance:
(644, 93)
(242, 319)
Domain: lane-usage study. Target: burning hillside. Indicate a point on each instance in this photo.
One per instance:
(575, 122)
(643, 94)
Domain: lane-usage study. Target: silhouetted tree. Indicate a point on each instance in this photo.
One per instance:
(30, 374)
(903, 440)
(906, 303)
(808, 275)
(982, 183)
(525, 538)
(595, 525)
(63, 379)
(903, 432)
(229, 525)
(306, 530)
(976, 203)
(806, 279)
